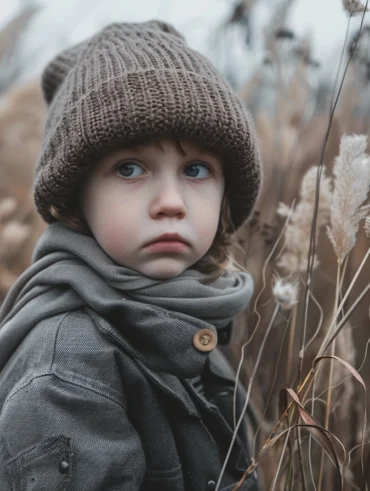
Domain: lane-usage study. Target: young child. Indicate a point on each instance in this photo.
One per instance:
(110, 376)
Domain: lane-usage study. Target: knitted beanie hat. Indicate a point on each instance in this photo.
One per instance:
(137, 81)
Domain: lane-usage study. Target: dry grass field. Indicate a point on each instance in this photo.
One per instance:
(301, 347)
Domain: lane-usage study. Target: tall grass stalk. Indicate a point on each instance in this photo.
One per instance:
(292, 330)
(346, 317)
(329, 335)
(255, 311)
(330, 377)
(272, 387)
(307, 382)
(334, 93)
(310, 437)
(247, 397)
(319, 324)
(272, 488)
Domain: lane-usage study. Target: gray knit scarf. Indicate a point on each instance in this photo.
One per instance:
(70, 271)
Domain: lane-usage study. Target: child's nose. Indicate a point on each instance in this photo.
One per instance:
(168, 200)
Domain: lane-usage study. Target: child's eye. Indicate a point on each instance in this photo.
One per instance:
(132, 170)
(128, 170)
(194, 170)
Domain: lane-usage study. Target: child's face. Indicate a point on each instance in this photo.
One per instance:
(132, 196)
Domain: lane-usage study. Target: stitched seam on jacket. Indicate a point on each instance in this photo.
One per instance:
(56, 340)
(64, 379)
(89, 383)
(167, 473)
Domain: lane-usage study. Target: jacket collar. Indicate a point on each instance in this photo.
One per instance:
(160, 340)
(184, 359)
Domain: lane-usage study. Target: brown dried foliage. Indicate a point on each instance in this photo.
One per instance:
(22, 115)
(291, 128)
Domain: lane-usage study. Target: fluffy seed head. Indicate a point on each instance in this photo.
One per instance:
(354, 7)
(285, 292)
(297, 234)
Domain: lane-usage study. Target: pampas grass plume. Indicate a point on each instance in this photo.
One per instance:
(354, 7)
(351, 187)
(297, 235)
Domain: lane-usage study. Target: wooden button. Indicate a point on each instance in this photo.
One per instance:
(205, 340)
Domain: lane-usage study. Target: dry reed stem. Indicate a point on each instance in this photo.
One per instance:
(247, 397)
(280, 461)
(346, 317)
(272, 387)
(325, 343)
(286, 295)
(319, 324)
(293, 323)
(255, 311)
(330, 377)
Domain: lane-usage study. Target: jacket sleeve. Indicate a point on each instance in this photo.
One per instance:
(61, 435)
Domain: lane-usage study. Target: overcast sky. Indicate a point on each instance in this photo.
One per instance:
(63, 23)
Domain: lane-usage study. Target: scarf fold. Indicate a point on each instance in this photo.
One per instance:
(69, 270)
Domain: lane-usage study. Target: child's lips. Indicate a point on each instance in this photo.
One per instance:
(168, 237)
(167, 246)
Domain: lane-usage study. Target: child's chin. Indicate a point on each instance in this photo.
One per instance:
(164, 270)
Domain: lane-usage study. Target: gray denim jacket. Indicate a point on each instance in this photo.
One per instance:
(81, 412)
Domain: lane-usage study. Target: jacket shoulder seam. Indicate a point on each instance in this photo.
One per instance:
(79, 378)
(57, 333)
(66, 380)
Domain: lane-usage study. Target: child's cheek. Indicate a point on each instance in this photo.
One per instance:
(119, 232)
(205, 218)
(207, 232)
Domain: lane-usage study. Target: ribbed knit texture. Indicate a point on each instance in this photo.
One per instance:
(136, 81)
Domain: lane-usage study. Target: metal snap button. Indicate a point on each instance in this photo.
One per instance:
(63, 466)
(211, 485)
(205, 340)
